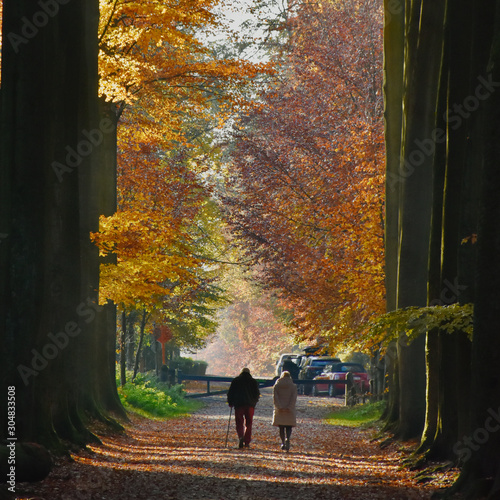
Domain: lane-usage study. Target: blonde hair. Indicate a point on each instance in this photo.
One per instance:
(285, 374)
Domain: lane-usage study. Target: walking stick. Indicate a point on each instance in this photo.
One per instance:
(228, 424)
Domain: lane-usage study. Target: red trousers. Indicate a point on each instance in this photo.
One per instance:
(244, 418)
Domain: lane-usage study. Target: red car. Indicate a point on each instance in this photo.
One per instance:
(338, 371)
(312, 366)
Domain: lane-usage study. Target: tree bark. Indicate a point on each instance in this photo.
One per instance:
(107, 318)
(123, 357)
(480, 449)
(394, 16)
(49, 86)
(50, 137)
(141, 339)
(423, 55)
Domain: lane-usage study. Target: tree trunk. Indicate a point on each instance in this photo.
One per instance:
(480, 449)
(130, 345)
(424, 39)
(107, 320)
(432, 391)
(123, 358)
(391, 413)
(48, 98)
(393, 93)
(141, 339)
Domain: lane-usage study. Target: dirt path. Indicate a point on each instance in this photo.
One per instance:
(185, 459)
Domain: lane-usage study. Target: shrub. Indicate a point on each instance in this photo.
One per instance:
(154, 399)
(188, 366)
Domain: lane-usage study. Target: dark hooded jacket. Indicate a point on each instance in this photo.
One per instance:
(244, 391)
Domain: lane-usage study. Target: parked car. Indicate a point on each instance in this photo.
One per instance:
(285, 359)
(338, 371)
(312, 366)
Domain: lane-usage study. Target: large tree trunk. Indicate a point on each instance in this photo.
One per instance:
(391, 413)
(107, 319)
(472, 135)
(480, 447)
(393, 93)
(43, 76)
(483, 444)
(423, 55)
(50, 136)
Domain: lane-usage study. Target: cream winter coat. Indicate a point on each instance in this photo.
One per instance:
(285, 397)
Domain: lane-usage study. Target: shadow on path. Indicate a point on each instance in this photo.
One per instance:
(185, 459)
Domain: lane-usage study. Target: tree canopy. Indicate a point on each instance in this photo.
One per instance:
(305, 194)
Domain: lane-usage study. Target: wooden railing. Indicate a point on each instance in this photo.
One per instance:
(352, 395)
(180, 377)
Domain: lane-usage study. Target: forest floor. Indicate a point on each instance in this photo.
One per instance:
(186, 459)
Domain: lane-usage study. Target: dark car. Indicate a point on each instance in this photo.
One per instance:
(339, 371)
(312, 366)
(288, 362)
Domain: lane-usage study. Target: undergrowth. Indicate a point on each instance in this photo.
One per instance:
(359, 415)
(151, 398)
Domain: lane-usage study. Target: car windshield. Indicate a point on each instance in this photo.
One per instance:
(351, 368)
(320, 362)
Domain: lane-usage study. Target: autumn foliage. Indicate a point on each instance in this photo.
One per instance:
(306, 194)
(168, 90)
(252, 329)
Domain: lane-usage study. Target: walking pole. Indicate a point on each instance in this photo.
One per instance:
(228, 424)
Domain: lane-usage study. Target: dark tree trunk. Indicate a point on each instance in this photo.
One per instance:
(144, 319)
(424, 25)
(393, 91)
(130, 345)
(391, 413)
(51, 136)
(434, 287)
(480, 448)
(123, 357)
(432, 391)
(107, 318)
(49, 83)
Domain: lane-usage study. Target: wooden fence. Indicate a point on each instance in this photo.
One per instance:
(352, 395)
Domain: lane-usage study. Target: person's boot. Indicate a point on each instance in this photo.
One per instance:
(287, 445)
(240, 445)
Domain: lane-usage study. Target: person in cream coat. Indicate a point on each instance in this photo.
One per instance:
(284, 415)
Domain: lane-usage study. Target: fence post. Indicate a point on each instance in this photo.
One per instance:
(349, 386)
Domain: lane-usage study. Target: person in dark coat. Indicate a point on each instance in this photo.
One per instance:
(243, 395)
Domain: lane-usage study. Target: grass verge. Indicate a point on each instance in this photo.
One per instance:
(360, 415)
(153, 399)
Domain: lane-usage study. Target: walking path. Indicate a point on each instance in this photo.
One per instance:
(186, 459)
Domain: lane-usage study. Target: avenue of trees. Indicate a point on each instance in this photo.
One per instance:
(360, 185)
(442, 183)
(105, 109)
